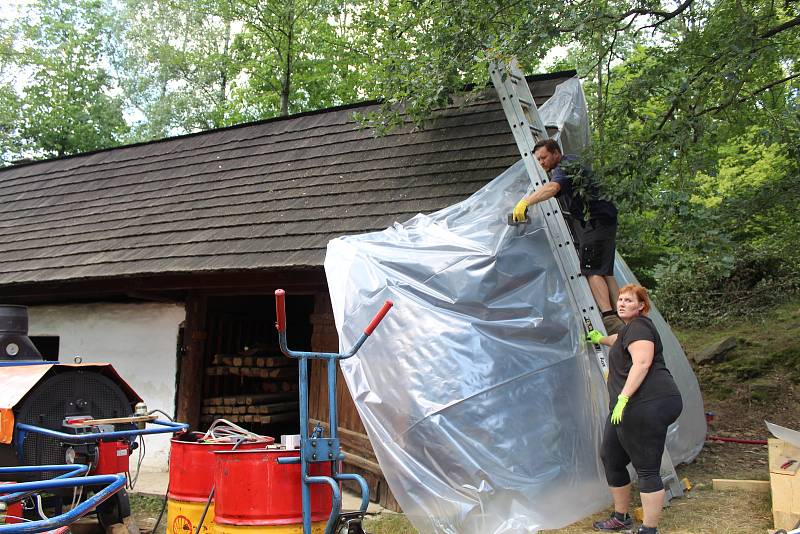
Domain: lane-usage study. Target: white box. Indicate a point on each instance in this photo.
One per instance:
(290, 441)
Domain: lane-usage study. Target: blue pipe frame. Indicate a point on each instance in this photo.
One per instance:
(166, 427)
(113, 483)
(322, 449)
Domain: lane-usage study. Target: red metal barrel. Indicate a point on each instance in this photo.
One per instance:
(253, 489)
(191, 473)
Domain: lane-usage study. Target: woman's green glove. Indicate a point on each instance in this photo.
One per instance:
(595, 336)
(519, 211)
(616, 415)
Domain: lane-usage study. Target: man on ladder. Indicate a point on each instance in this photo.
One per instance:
(593, 222)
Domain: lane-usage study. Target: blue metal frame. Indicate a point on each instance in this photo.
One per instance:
(114, 483)
(314, 449)
(171, 427)
(71, 470)
(24, 428)
(12, 363)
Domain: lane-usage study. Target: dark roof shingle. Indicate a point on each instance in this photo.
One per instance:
(266, 195)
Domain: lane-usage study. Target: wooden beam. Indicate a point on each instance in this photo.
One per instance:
(727, 484)
(191, 363)
(116, 420)
(362, 463)
(175, 287)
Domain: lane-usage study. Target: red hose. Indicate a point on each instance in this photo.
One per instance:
(738, 440)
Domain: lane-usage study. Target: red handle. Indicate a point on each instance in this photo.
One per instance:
(378, 317)
(280, 309)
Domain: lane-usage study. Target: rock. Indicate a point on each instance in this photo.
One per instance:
(715, 351)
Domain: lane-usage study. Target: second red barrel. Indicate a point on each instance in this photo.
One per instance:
(253, 489)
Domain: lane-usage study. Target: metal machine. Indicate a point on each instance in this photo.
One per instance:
(63, 416)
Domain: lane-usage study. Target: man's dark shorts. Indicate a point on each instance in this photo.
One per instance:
(598, 243)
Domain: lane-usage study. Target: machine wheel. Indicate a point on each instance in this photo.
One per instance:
(114, 510)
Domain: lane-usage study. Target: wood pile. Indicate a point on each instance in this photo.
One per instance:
(275, 375)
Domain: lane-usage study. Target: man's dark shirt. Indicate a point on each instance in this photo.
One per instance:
(573, 199)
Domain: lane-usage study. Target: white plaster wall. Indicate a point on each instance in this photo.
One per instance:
(139, 340)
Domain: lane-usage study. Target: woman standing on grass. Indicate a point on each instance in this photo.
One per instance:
(644, 401)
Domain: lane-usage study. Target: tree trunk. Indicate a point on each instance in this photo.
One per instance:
(286, 83)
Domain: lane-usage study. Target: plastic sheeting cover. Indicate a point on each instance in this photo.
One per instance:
(477, 392)
(566, 110)
(482, 401)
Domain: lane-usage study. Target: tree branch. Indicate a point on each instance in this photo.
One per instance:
(669, 16)
(744, 99)
(778, 29)
(664, 15)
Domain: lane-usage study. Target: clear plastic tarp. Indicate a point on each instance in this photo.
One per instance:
(482, 401)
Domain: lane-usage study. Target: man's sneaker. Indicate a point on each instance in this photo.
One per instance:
(615, 523)
(647, 530)
(613, 324)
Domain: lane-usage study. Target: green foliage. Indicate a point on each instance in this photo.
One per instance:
(176, 65)
(296, 55)
(733, 250)
(67, 107)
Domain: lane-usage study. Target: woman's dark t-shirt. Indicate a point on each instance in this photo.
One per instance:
(657, 383)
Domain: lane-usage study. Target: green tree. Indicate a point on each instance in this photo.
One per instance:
(299, 55)
(10, 143)
(176, 66)
(67, 105)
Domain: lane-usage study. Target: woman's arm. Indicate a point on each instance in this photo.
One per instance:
(609, 340)
(642, 353)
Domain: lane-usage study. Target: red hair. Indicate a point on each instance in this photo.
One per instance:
(640, 293)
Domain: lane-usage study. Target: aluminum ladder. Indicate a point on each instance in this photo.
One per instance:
(528, 128)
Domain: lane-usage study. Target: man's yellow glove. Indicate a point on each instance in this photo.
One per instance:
(595, 336)
(616, 414)
(519, 211)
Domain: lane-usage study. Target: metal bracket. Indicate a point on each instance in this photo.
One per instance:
(321, 449)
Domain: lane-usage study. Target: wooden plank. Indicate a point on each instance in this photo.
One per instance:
(116, 420)
(356, 439)
(728, 484)
(272, 408)
(247, 400)
(785, 483)
(363, 463)
(782, 453)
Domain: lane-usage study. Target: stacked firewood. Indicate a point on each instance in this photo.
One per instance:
(259, 370)
(264, 409)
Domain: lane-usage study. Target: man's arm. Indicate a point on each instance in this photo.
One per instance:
(548, 190)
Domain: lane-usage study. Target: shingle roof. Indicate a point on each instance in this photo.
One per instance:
(265, 195)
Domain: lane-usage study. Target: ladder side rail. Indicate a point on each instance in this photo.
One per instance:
(558, 232)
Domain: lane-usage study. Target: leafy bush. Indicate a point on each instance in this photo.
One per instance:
(702, 290)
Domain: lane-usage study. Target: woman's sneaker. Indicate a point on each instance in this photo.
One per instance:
(615, 523)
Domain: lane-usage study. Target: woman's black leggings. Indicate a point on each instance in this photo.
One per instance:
(639, 439)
